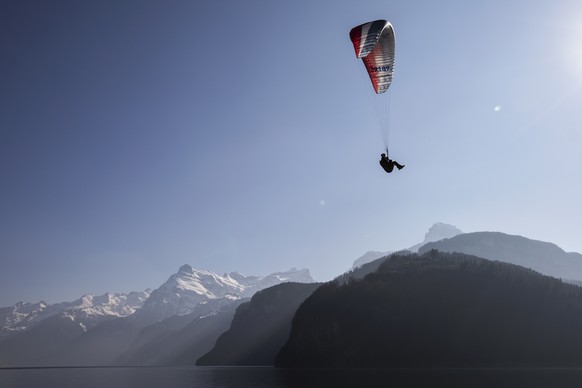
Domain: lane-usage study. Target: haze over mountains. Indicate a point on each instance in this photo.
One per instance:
(97, 330)
(259, 328)
(436, 232)
(432, 309)
(544, 257)
(198, 316)
(87, 310)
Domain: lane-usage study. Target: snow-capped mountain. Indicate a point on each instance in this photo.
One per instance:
(19, 317)
(253, 284)
(179, 295)
(119, 305)
(86, 310)
(189, 287)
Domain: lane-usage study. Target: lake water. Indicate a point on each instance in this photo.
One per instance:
(202, 377)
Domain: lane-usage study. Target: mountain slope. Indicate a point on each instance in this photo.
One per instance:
(436, 232)
(260, 327)
(35, 346)
(435, 310)
(180, 339)
(543, 257)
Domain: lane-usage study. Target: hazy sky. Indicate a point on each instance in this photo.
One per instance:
(137, 136)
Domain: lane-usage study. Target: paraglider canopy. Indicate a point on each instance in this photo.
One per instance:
(374, 43)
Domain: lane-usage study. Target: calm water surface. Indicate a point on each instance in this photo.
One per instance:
(202, 377)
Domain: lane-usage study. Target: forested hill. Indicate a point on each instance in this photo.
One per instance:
(439, 309)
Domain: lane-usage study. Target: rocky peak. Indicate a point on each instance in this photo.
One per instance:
(440, 231)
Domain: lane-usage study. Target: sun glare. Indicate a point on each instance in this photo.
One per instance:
(572, 45)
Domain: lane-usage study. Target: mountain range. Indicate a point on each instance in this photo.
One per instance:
(248, 342)
(260, 327)
(439, 310)
(87, 311)
(97, 330)
(198, 316)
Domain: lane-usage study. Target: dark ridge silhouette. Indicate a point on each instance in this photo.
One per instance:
(260, 327)
(366, 269)
(439, 310)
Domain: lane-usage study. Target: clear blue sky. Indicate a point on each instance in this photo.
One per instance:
(136, 136)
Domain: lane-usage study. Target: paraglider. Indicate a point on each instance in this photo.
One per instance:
(389, 164)
(374, 43)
